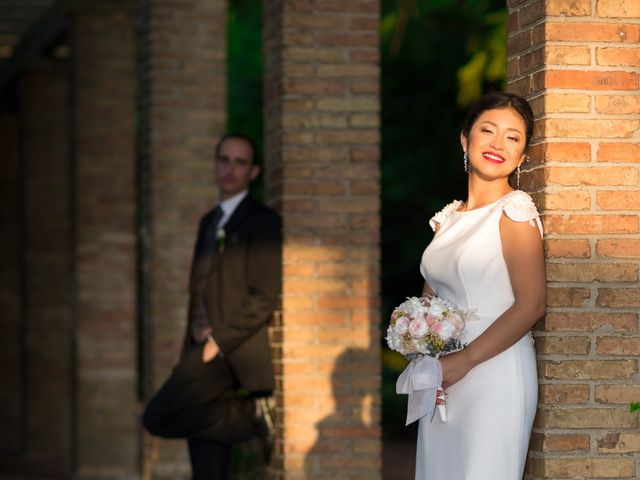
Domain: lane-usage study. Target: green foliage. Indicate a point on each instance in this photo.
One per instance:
(488, 49)
(244, 74)
(634, 407)
(244, 64)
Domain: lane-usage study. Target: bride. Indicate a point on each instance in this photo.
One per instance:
(487, 255)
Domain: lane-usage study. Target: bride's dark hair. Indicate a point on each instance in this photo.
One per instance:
(495, 100)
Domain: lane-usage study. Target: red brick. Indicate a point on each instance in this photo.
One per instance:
(360, 87)
(619, 152)
(591, 321)
(580, 418)
(344, 6)
(568, 8)
(313, 86)
(590, 272)
(338, 137)
(618, 200)
(561, 248)
(571, 467)
(588, 128)
(592, 32)
(567, 55)
(567, 297)
(618, 248)
(617, 104)
(564, 394)
(562, 345)
(567, 103)
(531, 12)
(519, 42)
(618, 346)
(357, 39)
(567, 443)
(618, 8)
(567, 152)
(347, 302)
(617, 394)
(315, 22)
(565, 200)
(610, 176)
(588, 369)
(625, 57)
(532, 60)
(520, 87)
(591, 80)
(590, 224)
(616, 442)
(618, 297)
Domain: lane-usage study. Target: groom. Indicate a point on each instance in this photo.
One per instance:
(234, 289)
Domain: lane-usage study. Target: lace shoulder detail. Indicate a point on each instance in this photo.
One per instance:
(519, 207)
(443, 214)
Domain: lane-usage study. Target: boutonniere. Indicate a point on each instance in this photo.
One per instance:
(221, 236)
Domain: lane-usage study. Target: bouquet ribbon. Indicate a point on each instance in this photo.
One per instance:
(420, 380)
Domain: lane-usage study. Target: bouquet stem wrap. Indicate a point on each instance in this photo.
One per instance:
(420, 380)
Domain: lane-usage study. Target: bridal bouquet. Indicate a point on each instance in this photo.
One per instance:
(423, 329)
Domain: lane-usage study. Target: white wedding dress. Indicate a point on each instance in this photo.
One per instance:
(491, 410)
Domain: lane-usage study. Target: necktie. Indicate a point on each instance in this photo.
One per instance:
(210, 235)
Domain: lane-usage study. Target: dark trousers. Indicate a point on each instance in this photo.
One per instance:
(198, 402)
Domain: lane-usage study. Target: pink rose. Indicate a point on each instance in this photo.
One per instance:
(394, 316)
(418, 327)
(402, 325)
(434, 324)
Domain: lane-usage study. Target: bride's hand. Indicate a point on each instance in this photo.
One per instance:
(454, 367)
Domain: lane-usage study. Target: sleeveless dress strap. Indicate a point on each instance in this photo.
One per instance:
(519, 207)
(443, 214)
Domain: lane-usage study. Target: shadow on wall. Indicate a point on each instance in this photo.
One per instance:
(347, 439)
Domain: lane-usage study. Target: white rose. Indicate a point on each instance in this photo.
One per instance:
(436, 309)
(446, 331)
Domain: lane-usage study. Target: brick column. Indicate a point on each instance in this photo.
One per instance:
(103, 49)
(11, 294)
(48, 329)
(578, 62)
(184, 99)
(322, 161)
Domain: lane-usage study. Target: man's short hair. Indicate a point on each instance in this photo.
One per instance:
(255, 160)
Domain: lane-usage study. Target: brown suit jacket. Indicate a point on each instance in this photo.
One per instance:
(236, 289)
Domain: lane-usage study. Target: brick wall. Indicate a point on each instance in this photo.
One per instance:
(578, 63)
(11, 307)
(44, 99)
(322, 139)
(103, 52)
(183, 79)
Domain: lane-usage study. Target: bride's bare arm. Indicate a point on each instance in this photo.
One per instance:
(523, 254)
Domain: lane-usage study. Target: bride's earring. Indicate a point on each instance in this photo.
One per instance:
(518, 176)
(465, 159)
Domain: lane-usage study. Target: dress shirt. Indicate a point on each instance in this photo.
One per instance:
(229, 206)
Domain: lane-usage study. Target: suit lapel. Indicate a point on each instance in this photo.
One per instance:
(238, 216)
(231, 230)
